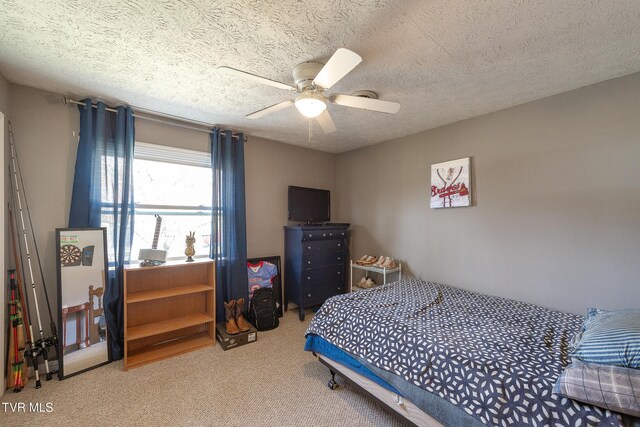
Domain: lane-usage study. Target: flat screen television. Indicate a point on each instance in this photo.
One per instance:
(309, 204)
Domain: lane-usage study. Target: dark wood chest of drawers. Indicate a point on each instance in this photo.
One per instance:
(315, 264)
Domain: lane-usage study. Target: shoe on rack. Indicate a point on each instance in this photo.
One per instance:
(389, 263)
(362, 282)
(381, 261)
(366, 260)
(369, 284)
(370, 261)
(363, 259)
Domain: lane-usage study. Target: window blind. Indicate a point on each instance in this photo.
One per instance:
(163, 153)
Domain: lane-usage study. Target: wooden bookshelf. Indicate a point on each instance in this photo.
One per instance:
(157, 328)
(168, 310)
(168, 292)
(168, 349)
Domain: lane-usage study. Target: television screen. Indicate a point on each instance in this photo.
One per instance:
(309, 204)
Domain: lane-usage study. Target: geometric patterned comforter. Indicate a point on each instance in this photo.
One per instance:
(495, 358)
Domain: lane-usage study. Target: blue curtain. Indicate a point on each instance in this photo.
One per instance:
(228, 222)
(103, 197)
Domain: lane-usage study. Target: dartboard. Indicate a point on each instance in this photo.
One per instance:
(70, 255)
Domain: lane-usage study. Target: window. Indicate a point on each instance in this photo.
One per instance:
(177, 185)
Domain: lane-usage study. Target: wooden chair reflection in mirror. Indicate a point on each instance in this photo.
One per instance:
(78, 311)
(97, 323)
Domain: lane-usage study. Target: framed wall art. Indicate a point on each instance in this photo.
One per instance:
(451, 184)
(265, 272)
(82, 328)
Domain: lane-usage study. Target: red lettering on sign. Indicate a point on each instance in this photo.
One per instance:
(446, 191)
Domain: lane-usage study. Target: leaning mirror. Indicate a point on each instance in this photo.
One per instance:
(82, 280)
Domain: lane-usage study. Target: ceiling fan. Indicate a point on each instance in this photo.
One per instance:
(311, 80)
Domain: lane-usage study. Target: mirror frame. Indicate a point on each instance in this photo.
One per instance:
(61, 329)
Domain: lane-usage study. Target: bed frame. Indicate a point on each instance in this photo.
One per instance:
(395, 404)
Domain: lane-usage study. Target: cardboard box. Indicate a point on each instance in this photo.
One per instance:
(231, 341)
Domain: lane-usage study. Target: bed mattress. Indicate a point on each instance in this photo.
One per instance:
(493, 358)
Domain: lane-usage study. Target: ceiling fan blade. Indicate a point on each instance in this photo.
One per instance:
(366, 103)
(258, 79)
(269, 110)
(326, 123)
(338, 66)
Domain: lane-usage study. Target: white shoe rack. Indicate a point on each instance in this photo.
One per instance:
(380, 270)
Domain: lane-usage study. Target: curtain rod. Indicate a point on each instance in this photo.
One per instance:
(157, 120)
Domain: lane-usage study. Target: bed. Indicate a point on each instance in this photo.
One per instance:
(436, 354)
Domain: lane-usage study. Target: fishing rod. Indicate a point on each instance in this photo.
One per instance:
(15, 318)
(43, 344)
(52, 323)
(24, 301)
(29, 351)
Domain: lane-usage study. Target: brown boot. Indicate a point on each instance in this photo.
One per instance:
(229, 310)
(242, 324)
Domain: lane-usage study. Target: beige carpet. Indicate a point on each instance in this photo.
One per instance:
(85, 357)
(271, 382)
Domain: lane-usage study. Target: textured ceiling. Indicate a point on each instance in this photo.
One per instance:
(442, 60)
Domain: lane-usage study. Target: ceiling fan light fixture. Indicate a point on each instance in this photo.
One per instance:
(310, 104)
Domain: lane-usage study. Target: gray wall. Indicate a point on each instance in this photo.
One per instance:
(557, 186)
(43, 132)
(270, 168)
(46, 139)
(157, 133)
(4, 94)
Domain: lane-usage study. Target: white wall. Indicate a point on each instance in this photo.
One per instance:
(557, 186)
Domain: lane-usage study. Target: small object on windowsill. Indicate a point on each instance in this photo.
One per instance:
(153, 257)
(190, 250)
(150, 263)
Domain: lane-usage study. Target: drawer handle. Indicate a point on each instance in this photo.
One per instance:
(308, 278)
(330, 234)
(338, 244)
(308, 262)
(338, 258)
(309, 295)
(324, 234)
(338, 273)
(308, 247)
(310, 235)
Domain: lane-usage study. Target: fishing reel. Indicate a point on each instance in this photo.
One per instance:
(49, 342)
(41, 348)
(45, 344)
(33, 353)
